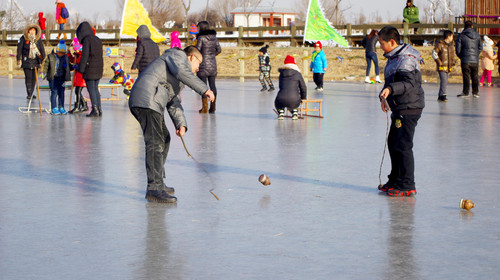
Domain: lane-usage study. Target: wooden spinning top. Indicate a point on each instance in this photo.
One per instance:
(466, 204)
(264, 180)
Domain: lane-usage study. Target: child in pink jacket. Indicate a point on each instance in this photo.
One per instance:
(487, 61)
(174, 40)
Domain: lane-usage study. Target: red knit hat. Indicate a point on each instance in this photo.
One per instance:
(318, 44)
(290, 60)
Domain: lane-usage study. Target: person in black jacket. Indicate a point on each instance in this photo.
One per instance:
(207, 43)
(147, 50)
(468, 47)
(405, 96)
(30, 54)
(292, 89)
(369, 42)
(91, 65)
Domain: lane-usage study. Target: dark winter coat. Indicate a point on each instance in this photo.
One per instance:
(147, 49)
(209, 47)
(370, 43)
(49, 67)
(403, 77)
(91, 63)
(292, 88)
(23, 49)
(159, 85)
(468, 46)
(444, 55)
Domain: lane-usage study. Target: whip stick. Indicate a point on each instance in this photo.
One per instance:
(202, 168)
(38, 92)
(386, 136)
(71, 91)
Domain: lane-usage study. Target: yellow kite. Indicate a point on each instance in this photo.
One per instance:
(134, 15)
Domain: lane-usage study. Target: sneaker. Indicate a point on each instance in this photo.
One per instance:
(316, 88)
(263, 89)
(443, 98)
(396, 192)
(271, 89)
(295, 115)
(463, 95)
(320, 89)
(62, 111)
(169, 190)
(55, 111)
(378, 80)
(385, 187)
(31, 97)
(476, 95)
(160, 196)
(367, 80)
(281, 114)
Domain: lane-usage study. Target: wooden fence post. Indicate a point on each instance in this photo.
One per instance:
(11, 64)
(405, 32)
(240, 36)
(293, 33)
(242, 65)
(451, 27)
(121, 52)
(305, 65)
(4, 37)
(349, 33)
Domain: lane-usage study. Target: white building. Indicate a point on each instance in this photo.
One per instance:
(263, 16)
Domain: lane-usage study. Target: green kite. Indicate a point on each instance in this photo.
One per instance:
(318, 28)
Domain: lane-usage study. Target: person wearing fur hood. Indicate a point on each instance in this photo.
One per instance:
(487, 61)
(292, 89)
(30, 55)
(147, 50)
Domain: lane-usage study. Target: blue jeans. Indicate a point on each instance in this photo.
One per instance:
(369, 57)
(95, 95)
(61, 26)
(56, 90)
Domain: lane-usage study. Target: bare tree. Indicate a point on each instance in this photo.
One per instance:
(187, 7)
(224, 8)
(213, 18)
(361, 18)
(249, 7)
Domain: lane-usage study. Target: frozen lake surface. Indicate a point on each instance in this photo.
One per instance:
(72, 191)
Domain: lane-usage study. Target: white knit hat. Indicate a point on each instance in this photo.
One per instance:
(487, 41)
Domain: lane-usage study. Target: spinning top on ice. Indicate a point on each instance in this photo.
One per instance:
(466, 204)
(264, 180)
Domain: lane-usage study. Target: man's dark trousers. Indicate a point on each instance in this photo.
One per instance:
(400, 145)
(470, 72)
(157, 140)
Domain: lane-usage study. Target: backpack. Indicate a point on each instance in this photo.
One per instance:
(64, 13)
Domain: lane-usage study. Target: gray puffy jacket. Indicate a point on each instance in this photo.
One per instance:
(468, 46)
(402, 75)
(209, 47)
(158, 86)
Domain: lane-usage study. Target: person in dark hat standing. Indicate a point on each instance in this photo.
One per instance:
(265, 69)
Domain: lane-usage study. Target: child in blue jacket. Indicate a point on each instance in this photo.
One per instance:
(318, 65)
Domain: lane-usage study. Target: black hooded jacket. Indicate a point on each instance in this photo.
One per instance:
(147, 49)
(468, 46)
(292, 88)
(209, 47)
(91, 62)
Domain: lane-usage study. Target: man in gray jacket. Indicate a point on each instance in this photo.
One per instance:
(468, 47)
(157, 88)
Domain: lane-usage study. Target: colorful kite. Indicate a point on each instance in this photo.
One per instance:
(134, 15)
(318, 28)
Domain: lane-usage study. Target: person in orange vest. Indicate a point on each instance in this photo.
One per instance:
(61, 17)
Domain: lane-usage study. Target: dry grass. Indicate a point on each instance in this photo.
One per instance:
(352, 67)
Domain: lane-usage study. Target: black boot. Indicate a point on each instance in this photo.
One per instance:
(99, 110)
(83, 104)
(160, 196)
(94, 112)
(76, 105)
(212, 107)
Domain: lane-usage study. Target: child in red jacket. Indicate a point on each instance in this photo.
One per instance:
(41, 23)
(78, 81)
